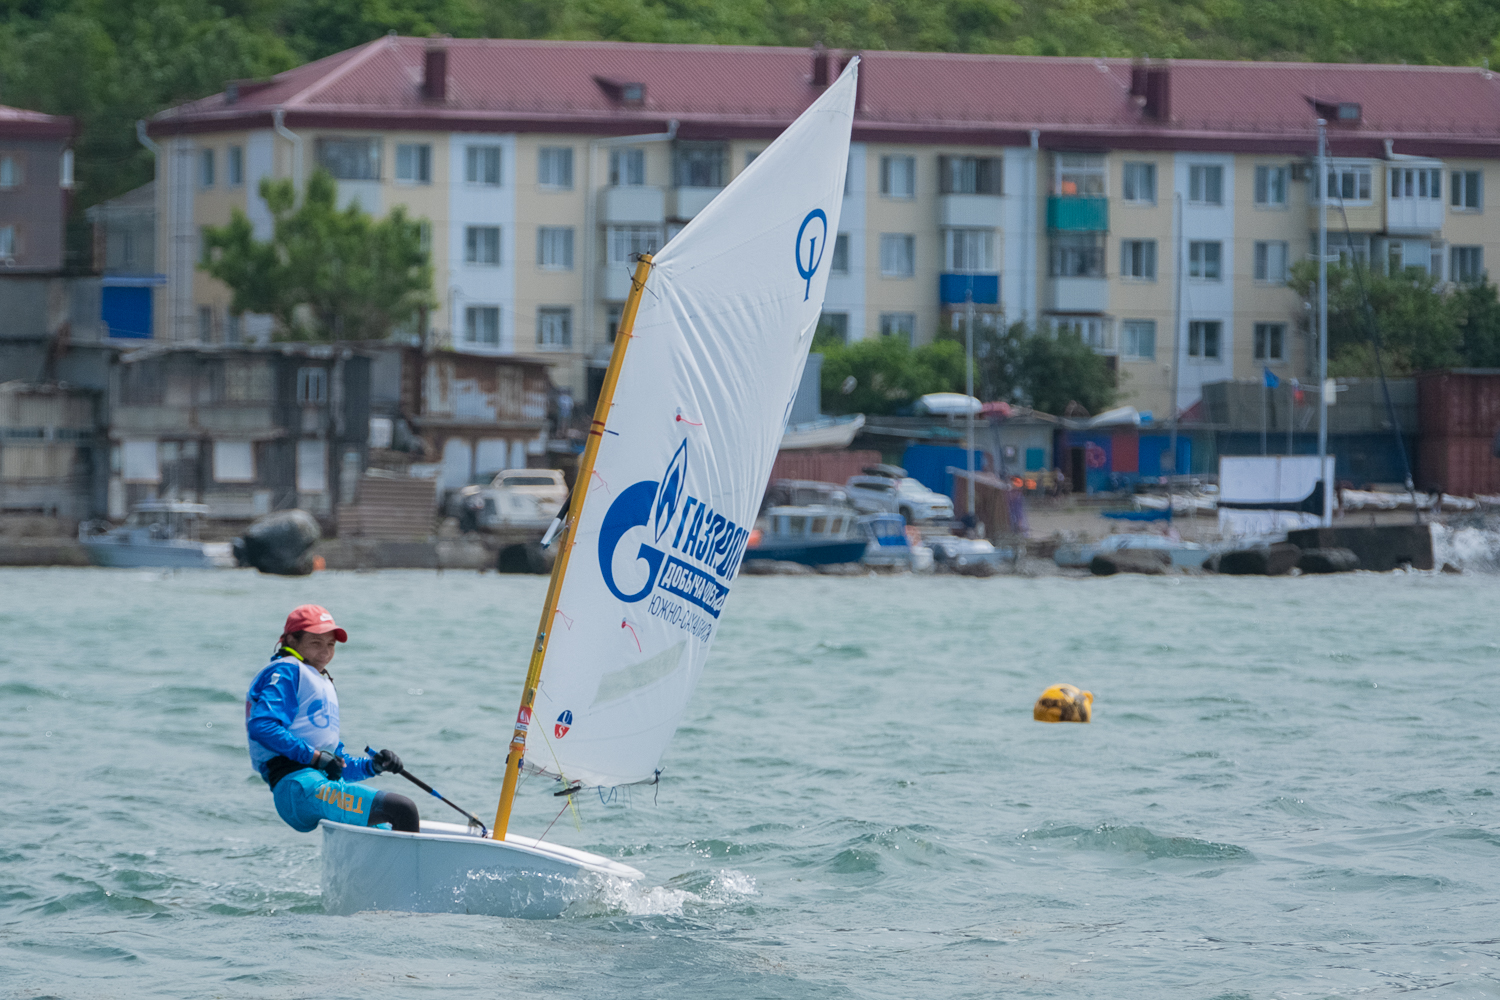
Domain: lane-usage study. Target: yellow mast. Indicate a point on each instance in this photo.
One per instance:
(560, 566)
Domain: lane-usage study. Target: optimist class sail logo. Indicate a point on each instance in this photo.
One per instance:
(564, 723)
(814, 236)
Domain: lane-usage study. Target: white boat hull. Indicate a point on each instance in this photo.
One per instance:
(447, 869)
(827, 433)
(108, 550)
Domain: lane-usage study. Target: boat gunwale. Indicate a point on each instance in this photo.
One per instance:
(452, 833)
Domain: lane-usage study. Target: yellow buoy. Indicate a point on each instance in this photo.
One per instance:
(1063, 703)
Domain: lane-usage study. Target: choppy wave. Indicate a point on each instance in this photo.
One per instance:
(1474, 548)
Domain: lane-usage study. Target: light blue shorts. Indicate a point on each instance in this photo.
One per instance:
(306, 796)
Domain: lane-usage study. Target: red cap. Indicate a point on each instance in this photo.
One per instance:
(315, 619)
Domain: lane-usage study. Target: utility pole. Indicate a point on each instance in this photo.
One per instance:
(1322, 190)
(969, 406)
(1176, 337)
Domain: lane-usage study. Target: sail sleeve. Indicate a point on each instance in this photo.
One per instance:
(707, 382)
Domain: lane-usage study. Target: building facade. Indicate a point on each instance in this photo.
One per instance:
(36, 181)
(1155, 209)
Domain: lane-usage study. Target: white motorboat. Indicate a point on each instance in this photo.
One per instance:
(1184, 555)
(157, 534)
(825, 432)
(689, 420)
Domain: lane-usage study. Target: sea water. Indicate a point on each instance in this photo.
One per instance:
(1288, 789)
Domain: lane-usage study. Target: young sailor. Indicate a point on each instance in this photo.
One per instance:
(292, 719)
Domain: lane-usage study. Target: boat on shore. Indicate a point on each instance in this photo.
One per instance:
(825, 432)
(1184, 555)
(890, 545)
(158, 534)
(814, 535)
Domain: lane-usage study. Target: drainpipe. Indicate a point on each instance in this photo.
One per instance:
(590, 265)
(278, 121)
(1029, 272)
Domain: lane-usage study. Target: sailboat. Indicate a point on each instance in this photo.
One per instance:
(712, 343)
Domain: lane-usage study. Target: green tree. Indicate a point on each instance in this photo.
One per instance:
(1481, 325)
(1039, 368)
(326, 273)
(1420, 325)
(887, 374)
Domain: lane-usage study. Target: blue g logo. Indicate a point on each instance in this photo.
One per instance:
(815, 242)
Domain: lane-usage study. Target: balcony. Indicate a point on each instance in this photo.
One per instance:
(1413, 216)
(955, 288)
(687, 202)
(970, 211)
(1068, 214)
(620, 206)
(1077, 295)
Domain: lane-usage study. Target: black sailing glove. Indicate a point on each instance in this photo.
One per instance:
(330, 764)
(385, 762)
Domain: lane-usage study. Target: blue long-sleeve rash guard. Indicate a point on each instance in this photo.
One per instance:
(271, 708)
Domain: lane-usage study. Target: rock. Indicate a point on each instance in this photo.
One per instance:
(1150, 562)
(1334, 560)
(1268, 560)
(280, 543)
(774, 567)
(841, 569)
(1451, 569)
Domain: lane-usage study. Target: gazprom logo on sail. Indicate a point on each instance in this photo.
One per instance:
(812, 240)
(697, 549)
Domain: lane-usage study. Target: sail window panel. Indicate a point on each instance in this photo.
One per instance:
(1464, 190)
(1270, 186)
(1138, 340)
(1205, 260)
(350, 159)
(554, 250)
(970, 175)
(234, 461)
(623, 243)
(482, 165)
(1080, 175)
(1270, 341)
(969, 251)
(1138, 260)
(1271, 261)
(1203, 339)
(482, 326)
(1206, 184)
(482, 246)
(699, 164)
(555, 167)
(627, 167)
(1140, 183)
(898, 255)
(413, 163)
(554, 326)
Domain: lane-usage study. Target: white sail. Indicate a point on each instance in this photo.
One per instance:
(718, 348)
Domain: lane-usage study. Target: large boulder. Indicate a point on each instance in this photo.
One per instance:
(1333, 560)
(1151, 562)
(1262, 560)
(280, 543)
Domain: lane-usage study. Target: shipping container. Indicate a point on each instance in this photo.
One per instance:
(823, 466)
(1463, 466)
(1461, 403)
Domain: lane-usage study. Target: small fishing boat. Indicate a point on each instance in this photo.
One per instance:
(711, 346)
(825, 432)
(816, 535)
(158, 534)
(889, 544)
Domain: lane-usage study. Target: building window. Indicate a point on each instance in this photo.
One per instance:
(1463, 191)
(65, 170)
(1204, 259)
(898, 176)
(623, 243)
(1098, 334)
(1270, 341)
(206, 324)
(751, 154)
(10, 172)
(836, 325)
(554, 326)
(969, 175)
(1270, 186)
(482, 326)
(840, 262)
(1138, 259)
(1203, 339)
(424, 236)
(413, 163)
(232, 328)
(7, 242)
(555, 167)
(234, 462)
(554, 248)
(312, 386)
(1080, 174)
(627, 167)
(969, 251)
(482, 165)
(903, 325)
(350, 159)
(1348, 246)
(1140, 183)
(898, 253)
(234, 166)
(312, 466)
(482, 245)
(1076, 255)
(1138, 340)
(1467, 267)
(1416, 182)
(1348, 183)
(1270, 261)
(1206, 184)
(698, 164)
(205, 168)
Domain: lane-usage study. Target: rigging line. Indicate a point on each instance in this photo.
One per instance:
(555, 819)
(1385, 389)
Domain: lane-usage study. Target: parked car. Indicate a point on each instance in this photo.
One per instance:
(516, 499)
(804, 493)
(905, 496)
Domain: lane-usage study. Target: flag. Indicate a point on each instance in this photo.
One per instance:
(1271, 380)
(1297, 391)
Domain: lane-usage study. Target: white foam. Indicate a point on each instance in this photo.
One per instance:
(1469, 548)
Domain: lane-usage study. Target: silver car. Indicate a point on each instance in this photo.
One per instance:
(515, 499)
(904, 496)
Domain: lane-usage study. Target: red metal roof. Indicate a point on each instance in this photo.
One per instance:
(18, 123)
(725, 91)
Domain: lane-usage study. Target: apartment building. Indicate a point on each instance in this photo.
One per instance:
(36, 180)
(1156, 209)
